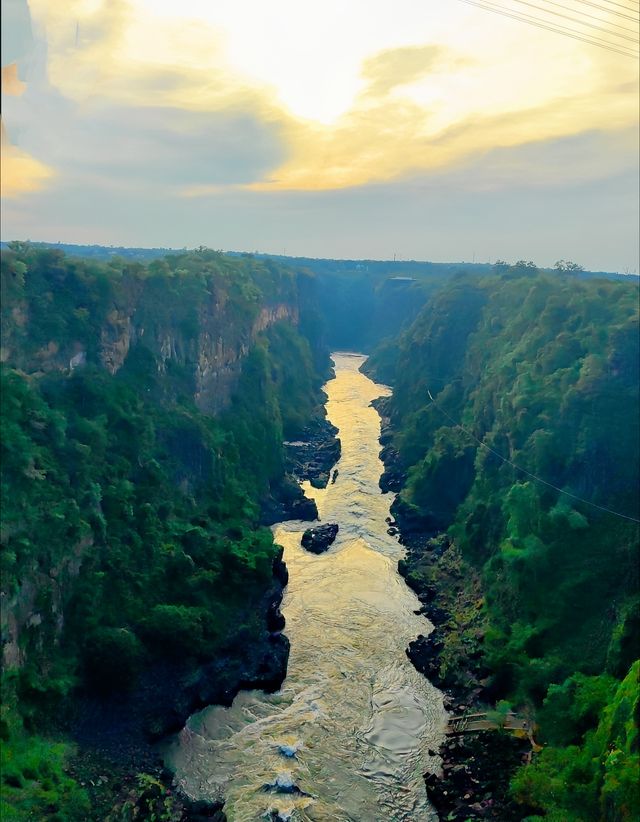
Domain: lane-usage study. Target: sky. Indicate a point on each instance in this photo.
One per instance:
(420, 129)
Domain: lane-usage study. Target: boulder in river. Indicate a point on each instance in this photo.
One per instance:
(318, 539)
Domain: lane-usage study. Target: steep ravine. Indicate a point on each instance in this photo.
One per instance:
(354, 726)
(144, 412)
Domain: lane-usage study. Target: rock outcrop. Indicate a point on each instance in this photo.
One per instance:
(319, 539)
(313, 455)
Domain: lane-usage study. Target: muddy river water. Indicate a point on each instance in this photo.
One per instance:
(348, 735)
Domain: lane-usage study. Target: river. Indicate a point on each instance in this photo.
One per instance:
(354, 722)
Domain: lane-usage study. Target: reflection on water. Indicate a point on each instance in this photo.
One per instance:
(347, 737)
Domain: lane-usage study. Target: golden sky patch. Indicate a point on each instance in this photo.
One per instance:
(359, 92)
(11, 83)
(19, 172)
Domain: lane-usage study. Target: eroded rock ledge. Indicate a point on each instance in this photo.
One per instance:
(307, 459)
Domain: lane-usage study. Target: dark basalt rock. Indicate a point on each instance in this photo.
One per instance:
(308, 458)
(321, 480)
(287, 501)
(304, 509)
(411, 521)
(436, 615)
(317, 540)
(313, 455)
(477, 767)
(423, 653)
(394, 475)
(280, 570)
(201, 810)
(475, 776)
(124, 728)
(275, 619)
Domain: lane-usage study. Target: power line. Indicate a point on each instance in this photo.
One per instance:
(610, 11)
(617, 48)
(550, 25)
(524, 470)
(579, 21)
(621, 5)
(584, 14)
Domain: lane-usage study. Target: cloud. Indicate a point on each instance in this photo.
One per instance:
(174, 123)
(552, 163)
(396, 67)
(162, 148)
(446, 216)
(395, 138)
(102, 110)
(20, 173)
(412, 107)
(137, 132)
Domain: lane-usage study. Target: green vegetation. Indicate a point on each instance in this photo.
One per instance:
(543, 370)
(144, 409)
(35, 784)
(130, 517)
(597, 778)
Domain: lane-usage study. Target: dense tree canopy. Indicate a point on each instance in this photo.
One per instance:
(130, 518)
(509, 391)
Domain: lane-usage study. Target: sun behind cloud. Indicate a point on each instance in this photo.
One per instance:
(365, 95)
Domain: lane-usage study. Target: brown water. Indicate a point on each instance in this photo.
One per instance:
(354, 716)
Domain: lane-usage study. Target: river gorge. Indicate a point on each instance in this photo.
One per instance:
(354, 727)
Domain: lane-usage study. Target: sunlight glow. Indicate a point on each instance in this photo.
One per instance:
(359, 92)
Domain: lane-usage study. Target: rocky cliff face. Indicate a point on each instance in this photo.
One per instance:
(212, 356)
(186, 330)
(38, 606)
(208, 348)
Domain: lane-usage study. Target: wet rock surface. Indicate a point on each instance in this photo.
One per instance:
(319, 539)
(313, 455)
(288, 501)
(123, 727)
(394, 475)
(310, 458)
(284, 783)
(423, 653)
(474, 783)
